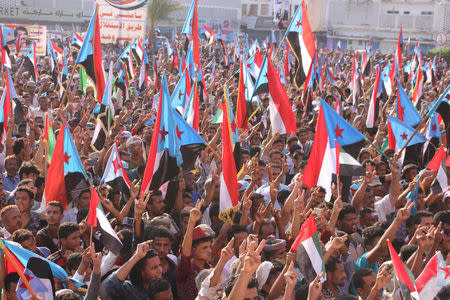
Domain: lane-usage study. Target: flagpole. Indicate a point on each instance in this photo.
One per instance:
(213, 151)
(68, 85)
(16, 267)
(378, 149)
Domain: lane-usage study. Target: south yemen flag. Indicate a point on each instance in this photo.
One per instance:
(434, 276)
(301, 40)
(309, 252)
(66, 171)
(164, 156)
(404, 276)
(30, 63)
(332, 133)
(229, 195)
(90, 56)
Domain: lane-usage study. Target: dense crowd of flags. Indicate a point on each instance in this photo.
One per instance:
(176, 140)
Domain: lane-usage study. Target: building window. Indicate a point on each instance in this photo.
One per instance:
(426, 13)
(265, 11)
(244, 9)
(253, 11)
(392, 12)
(406, 12)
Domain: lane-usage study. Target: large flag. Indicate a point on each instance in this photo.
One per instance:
(377, 95)
(40, 277)
(301, 40)
(30, 63)
(164, 156)
(115, 175)
(403, 275)
(229, 195)
(309, 252)
(434, 276)
(438, 166)
(68, 177)
(332, 133)
(90, 56)
(22, 256)
(281, 115)
(406, 111)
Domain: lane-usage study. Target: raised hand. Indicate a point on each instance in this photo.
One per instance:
(142, 249)
(403, 213)
(383, 277)
(315, 288)
(134, 189)
(227, 252)
(290, 276)
(252, 259)
(195, 214)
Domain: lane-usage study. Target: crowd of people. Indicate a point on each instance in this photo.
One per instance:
(174, 244)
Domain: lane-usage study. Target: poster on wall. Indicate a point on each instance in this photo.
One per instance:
(28, 34)
(280, 11)
(122, 20)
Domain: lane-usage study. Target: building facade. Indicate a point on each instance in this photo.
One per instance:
(354, 22)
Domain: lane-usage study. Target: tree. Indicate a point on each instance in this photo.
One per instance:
(159, 10)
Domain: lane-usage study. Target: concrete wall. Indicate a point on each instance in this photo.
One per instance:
(379, 20)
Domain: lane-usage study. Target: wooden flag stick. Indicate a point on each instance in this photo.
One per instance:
(18, 270)
(213, 151)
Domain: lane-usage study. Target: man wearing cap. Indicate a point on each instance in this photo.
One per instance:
(196, 253)
(43, 107)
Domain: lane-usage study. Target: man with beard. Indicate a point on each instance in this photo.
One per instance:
(335, 278)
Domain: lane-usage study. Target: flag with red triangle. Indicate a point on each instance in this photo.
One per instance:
(403, 275)
(90, 56)
(434, 276)
(30, 63)
(301, 40)
(66, 171)
(115, 175)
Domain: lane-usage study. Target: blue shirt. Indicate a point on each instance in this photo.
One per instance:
(10, 183)
(362, 263)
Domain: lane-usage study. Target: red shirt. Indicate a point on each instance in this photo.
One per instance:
(185, 274)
